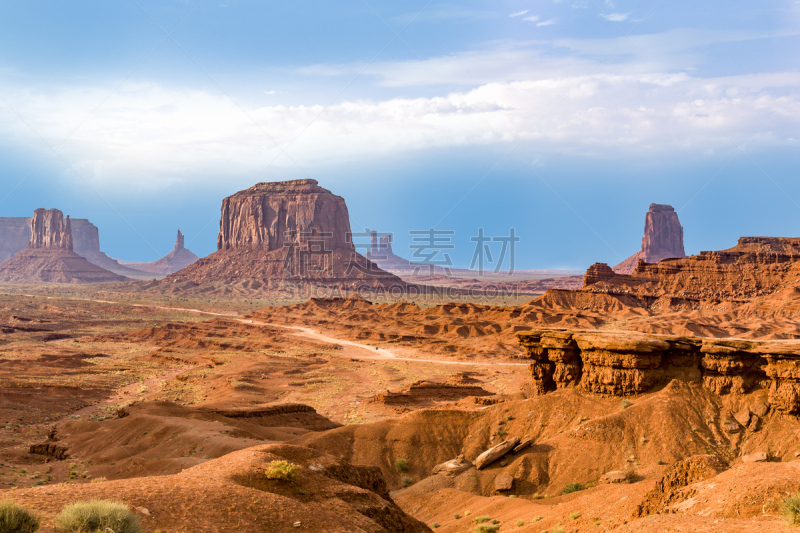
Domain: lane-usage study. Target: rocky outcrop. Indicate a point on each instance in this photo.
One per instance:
(178, 259)
(629, 363)
(15, 235)
(756, 266)
(597, 272)
(291, 231)
(663, 239)
(50, 257)
(681, 474)
(50, 230)
(495, 453)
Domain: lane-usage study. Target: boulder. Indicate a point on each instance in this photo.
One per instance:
(522, 445)
(755, 457)
(615, 476)
(497, 452)
(759, 409)
(453, 467)
(503, 482)
(731, 427)
(743, 417)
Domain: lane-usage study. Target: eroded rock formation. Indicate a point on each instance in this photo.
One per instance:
(178, 259)
(628, 363)
(287, 231)
(663, 239)
(50, 258)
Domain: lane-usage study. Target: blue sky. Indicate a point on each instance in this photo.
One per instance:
(563, 119)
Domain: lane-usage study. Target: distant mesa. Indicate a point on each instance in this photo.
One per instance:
(15, 235)
(289, 231)
(179, 258)
(663, 239)
(380, 253)
(49, 257)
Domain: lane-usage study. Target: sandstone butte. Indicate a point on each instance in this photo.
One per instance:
(50, 258)
(15, 235)
(179, 258)
(290, 231)
(663, 239)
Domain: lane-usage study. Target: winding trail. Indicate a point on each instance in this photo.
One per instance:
(376, 354)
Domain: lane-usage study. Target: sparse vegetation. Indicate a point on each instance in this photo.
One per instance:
(659, 462)
(15, 518)
(486, 528)
(435, 525)
(625, 404)
(536, 519)
(791, 508)
(572, 487)
(401, 465)
(520, 523)
(456, 516)
(407, 481)
(97, 516)
(574, 516)
(480, 519)
(282, 470)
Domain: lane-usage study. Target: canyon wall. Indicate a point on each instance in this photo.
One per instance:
(629, 363)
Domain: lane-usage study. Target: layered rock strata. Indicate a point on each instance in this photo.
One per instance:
(50, 258)
(293, 231)
(628, 363)
(756, 266)
(663, 239)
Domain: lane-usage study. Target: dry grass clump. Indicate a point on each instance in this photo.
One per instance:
(791, 508)
(97, 516)
(282, 470)
(401, 465)
(15, 518)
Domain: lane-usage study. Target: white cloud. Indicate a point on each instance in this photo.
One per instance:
(150, 135)
(518, 14)
(532, 18)
(549, 22)
(616, 17)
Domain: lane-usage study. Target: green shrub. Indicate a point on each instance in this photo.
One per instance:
(574, 516)
(456, 516)
(435, 525)
(572, 487)
(97, 516)
(520, 523)
(401, 465)
(486, 528)
(407, 481)
(481, 519)
(791, 508)
(282, 470)
(536, 519)
(15, 518)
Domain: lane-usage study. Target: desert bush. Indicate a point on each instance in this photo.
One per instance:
(15, 518)
(97, 516)
(401, 465)
(520, 523)
(407, 481)
(486, 528)
(572, 487)
(574, 516)
(435, 525)
(791, 508)
(282, 470)
(536, 519)
(480, 519)
(625, 404)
